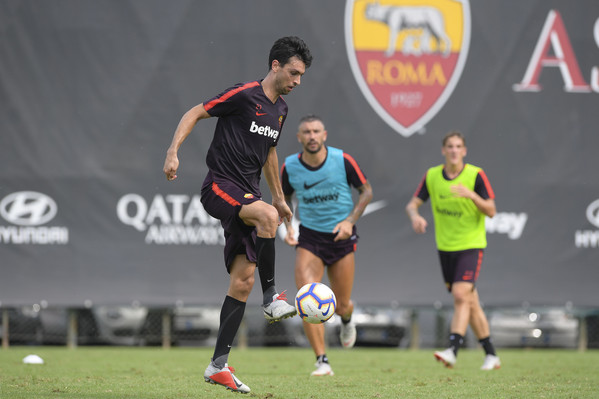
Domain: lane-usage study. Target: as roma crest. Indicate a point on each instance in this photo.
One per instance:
(407, 55)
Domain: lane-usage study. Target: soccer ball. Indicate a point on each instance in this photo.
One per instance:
(315, 303)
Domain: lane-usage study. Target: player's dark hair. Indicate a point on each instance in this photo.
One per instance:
(310, 118)
(454, 133)
(289, 46)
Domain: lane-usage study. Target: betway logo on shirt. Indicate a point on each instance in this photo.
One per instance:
(264, 130)
(448, 212)
(321, 198)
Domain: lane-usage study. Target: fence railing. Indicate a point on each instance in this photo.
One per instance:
(390, 326)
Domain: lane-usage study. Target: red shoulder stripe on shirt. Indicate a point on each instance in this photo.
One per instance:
(356, 167)
(229, 94)
(281, 171)
(487, 184)
(420, 185)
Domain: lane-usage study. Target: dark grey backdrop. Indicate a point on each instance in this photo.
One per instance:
(91, 92)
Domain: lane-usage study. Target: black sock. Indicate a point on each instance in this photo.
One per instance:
(322, 358)
(265, 260)
(231, 315)
(488, 346)
(455, 341)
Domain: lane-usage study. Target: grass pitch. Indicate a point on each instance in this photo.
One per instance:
(282, 373)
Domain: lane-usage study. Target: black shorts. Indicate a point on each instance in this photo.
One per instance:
(460, 266)
(324, 246)
(223, 201)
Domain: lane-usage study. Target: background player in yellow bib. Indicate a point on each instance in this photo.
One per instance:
(461, 197)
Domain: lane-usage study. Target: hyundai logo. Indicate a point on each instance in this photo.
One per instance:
(593, 213)
(28, 208)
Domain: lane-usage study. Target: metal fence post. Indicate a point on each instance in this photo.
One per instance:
(583, 336)
(72, 329)
(5, 329)
(166, 329)
(440, 325)
(414, 330)
(243, 335)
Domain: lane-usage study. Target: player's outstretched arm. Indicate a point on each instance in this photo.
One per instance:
(419, 224)
(290, 235)
(271, 174)
(345, 227)
(188, 121)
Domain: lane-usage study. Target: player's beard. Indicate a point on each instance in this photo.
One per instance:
(283, 87)
(310, 151)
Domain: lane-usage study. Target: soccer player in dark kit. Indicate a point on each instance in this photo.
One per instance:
(250, 119)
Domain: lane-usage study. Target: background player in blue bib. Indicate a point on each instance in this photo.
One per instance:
(321, 178)
(250, 118)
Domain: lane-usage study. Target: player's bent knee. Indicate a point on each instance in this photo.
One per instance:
(462, 297)
(462, 292)
(263, 216)
(268, 221)
(242, 287)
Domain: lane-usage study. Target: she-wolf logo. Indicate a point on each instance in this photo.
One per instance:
(407, 55)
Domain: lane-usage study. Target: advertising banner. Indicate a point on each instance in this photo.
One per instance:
(92, 92)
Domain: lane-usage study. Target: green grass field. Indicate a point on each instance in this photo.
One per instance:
(114, 372)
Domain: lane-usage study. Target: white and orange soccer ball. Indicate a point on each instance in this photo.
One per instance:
(315, 303)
